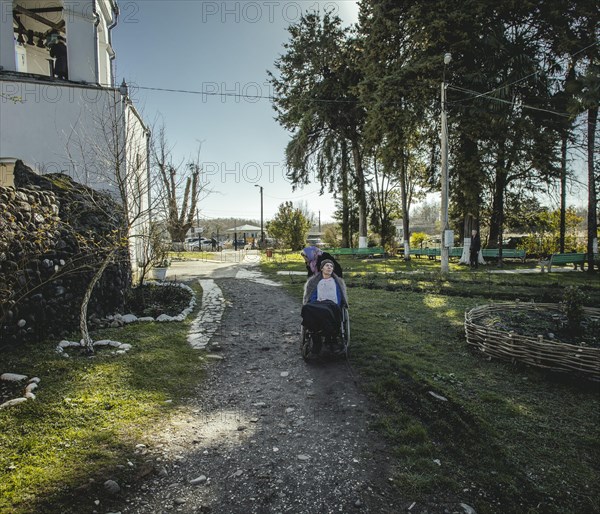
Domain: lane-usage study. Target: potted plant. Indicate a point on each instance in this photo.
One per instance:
(158, 254)
(158, 271)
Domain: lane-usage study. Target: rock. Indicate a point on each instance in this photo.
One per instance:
(129, 318)
(284, 374)
(111, 487)
(199, 480)
(468, 509)
(12, 402)
(303, 457)
(12, 377)
(438, 396)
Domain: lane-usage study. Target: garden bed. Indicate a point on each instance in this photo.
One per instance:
(536, 334)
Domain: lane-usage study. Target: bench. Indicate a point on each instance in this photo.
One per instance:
(431, 253)
(507, 253)
(356, 252)
(577, 259)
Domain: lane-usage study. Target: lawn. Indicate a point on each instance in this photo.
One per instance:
(498, 436)
(89, 415)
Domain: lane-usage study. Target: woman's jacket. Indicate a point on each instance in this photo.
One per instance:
(311, 286)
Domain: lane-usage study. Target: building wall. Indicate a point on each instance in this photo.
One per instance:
(87, 34)
(92, 134)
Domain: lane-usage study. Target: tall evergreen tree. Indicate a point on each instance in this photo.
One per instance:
(314, 100)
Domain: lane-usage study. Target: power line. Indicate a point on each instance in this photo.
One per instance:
(209, 93)
(502, 100)
(234, 95)
(527, 76)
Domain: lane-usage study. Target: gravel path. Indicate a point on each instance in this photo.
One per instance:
(266, 432)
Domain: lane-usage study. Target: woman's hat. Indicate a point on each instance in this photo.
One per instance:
(325, 261)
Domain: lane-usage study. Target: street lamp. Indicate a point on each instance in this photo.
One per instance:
(262, 232)
(446, 236)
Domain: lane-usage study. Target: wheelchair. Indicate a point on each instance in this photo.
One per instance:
(314, 343)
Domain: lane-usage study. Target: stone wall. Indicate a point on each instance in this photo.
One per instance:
(53, 234)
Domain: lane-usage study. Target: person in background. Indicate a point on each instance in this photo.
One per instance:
(59, 51)
(314, 257)
(474, 250)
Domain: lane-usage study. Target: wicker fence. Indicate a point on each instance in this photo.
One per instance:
(535, 351)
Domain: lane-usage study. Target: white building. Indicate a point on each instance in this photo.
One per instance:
(59, 108)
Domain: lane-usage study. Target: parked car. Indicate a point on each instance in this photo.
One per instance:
(203, 244)
(315, 241)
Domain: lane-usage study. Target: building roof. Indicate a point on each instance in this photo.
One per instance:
(244, 228)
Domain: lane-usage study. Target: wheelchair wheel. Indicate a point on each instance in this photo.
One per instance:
(346, 329)
(306, 344)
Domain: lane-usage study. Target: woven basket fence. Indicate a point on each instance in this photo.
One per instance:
(535, 351)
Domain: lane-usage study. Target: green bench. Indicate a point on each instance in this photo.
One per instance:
(577, 259)
(356, 252)
(432, 253)
(456, 251)
(339, 251)
(507, 253)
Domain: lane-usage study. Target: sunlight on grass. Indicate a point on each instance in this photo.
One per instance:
(435, 302)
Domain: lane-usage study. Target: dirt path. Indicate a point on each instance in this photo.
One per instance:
(266, 432)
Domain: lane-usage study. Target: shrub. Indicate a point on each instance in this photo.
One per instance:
(572, 306)
(417, 239)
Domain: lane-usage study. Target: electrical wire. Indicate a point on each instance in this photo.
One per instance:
(502, 100)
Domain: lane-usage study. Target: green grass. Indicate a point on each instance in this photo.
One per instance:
(190, 256)
(89, 415)
(509, 438)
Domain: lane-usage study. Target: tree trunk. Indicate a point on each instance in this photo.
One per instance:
(362, 195)
(83, 326)
(405, 214)
(495, 235)
(592, 243)
(346, 237)
(563, 192)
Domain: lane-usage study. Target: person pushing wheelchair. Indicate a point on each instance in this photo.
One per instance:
(324, 298)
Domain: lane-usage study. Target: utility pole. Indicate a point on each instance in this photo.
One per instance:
(445, 250)
(262, 232)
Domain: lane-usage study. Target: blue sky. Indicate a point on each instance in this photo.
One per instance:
(218, 47)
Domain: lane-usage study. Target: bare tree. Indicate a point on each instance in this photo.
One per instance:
(111, 151)
(178, 187)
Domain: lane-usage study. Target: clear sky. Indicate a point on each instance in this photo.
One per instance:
(218, 47)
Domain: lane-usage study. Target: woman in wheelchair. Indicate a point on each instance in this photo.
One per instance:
(323, 311)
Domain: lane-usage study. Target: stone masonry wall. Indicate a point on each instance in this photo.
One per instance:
(51, 241)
